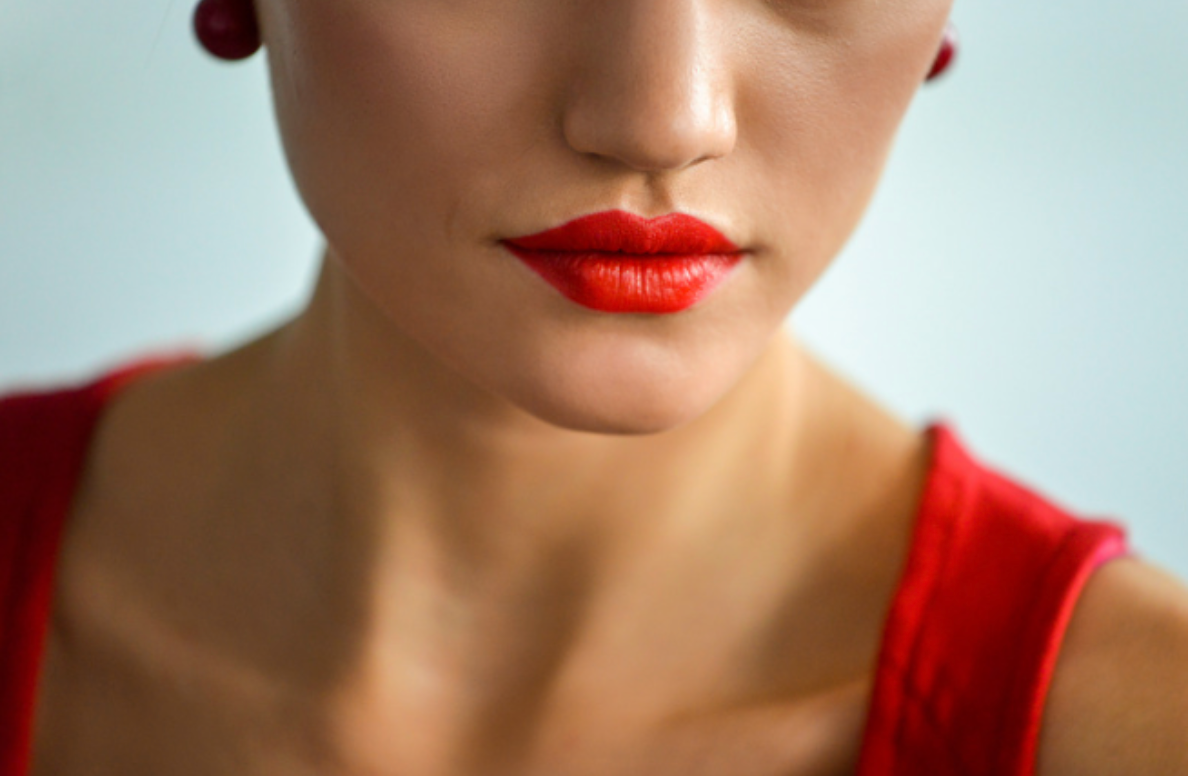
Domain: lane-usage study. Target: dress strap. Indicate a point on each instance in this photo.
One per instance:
(974, 630)
(44, 439)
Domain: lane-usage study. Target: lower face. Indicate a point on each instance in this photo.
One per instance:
(424, 135)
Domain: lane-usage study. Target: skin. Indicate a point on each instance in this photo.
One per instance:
(446, 522)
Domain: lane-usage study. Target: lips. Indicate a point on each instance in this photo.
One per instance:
(618, 262)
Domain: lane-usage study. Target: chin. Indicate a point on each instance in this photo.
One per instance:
(626, 418)
(616, 396)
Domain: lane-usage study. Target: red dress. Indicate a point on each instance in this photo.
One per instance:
(969, 644)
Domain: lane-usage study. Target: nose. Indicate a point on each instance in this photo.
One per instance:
(652, 89)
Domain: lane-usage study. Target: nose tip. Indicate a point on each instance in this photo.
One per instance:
(651, 137)
(655, 95)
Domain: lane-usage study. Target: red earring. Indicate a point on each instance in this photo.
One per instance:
(946, 54)
(227, 28)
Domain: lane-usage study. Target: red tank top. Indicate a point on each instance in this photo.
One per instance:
(969, 644)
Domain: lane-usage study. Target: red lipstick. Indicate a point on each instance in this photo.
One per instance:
(618, 262)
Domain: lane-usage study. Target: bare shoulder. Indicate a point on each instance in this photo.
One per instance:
(1119, 700)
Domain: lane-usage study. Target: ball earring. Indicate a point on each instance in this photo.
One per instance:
(946, 54)
(227, 28)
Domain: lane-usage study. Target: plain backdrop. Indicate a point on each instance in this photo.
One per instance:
(1022, 271)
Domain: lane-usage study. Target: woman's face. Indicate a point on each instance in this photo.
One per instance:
(422, 133)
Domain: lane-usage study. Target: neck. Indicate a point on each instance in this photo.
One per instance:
(469, 537)
(415, 446)
(355, 530)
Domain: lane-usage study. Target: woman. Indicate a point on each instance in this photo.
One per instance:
(536, 483)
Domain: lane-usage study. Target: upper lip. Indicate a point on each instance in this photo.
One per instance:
(616, 231)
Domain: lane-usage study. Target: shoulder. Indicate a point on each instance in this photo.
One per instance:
(45, 432)
(1118, 703)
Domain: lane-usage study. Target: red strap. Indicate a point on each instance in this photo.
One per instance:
(973, 633)
(44, 438)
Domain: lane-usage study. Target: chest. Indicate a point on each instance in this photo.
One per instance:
(101, 720)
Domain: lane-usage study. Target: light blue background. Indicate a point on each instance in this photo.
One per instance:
(1022, 270)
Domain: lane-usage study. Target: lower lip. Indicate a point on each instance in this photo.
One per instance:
(630, 283)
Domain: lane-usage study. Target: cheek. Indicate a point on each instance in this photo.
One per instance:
(823, 110)
(358, 84)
